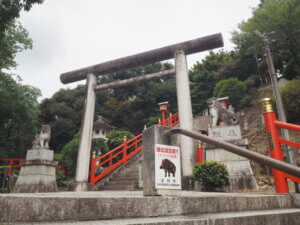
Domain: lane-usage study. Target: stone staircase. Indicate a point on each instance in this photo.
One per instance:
(124, 178)
(131, 207)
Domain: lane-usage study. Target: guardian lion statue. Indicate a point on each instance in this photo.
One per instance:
(42, 139)
(220, 114)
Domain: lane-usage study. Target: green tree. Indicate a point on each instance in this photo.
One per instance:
(10, 10)
(291, 100)
(205, 75)
(233, 88)
(282, 19)
(19, 106)
(63, 112)
(18, 116)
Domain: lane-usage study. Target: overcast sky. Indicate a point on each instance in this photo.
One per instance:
(70, 34)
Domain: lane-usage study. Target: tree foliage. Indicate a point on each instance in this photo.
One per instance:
(10, 10)
(233, 88)
(280, 19)
(291, 100)
(18, 116)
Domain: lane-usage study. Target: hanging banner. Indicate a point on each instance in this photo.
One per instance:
(167, 167)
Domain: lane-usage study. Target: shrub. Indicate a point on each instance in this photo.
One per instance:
(211, 174)
(69, 152)
(60, 178)
(291, 100)
(116, 137)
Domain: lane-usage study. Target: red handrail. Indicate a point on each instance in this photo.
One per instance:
(11, 164)
(272, 125)
(126, 150)
(172, 121)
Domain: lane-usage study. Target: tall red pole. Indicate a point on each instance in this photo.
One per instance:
(280, 180)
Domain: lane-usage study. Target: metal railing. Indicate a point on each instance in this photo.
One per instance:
(274, 163)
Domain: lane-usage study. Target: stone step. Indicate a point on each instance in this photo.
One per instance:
(129, 187)
(101, 205)
(124, 179)
(121, 183)
(126, 175)
(261, 217)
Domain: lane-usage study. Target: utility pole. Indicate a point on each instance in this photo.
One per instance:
(280, 110)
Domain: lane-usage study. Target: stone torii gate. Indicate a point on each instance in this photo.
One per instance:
(177, 51)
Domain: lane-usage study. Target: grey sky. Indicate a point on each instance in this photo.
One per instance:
(70, 34)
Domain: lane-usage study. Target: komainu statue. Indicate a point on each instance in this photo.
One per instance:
(220, 114)
(42, 139)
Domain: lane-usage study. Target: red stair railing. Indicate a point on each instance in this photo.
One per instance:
(172, 121)
(272, 126)
(12, 164)
(119, 155)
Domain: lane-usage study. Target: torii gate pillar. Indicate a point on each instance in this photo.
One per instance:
(84, 151)
(185, 116)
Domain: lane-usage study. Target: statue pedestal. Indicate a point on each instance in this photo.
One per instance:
(240, 172)
(37, 173)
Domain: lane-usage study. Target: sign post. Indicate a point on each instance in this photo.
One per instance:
(167, 167)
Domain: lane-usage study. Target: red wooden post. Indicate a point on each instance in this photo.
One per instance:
(280, 180)
(125, 150)
(92, 170)
(200, 152)
(110, 160)
(10, 169)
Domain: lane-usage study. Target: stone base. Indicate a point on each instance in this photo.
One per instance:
(37, 173)
(81, 186)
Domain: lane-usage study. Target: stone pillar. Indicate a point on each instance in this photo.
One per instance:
(152, 136)
(84, 151)
(185, 115)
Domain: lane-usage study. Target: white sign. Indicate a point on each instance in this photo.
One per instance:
(167, 167)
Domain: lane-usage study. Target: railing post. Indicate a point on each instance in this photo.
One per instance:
(280, 180)
(92, 170)
(10, 169)
(125, 150)
(200, 152)
(110, 161)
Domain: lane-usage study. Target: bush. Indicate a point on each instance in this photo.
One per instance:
(60, 178)
(4, 190)
(233, 88)
(116, 137)
(69, 152)
(291, 100)
(211, 174)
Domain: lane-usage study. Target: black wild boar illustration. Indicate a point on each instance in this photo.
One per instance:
(168, 166)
